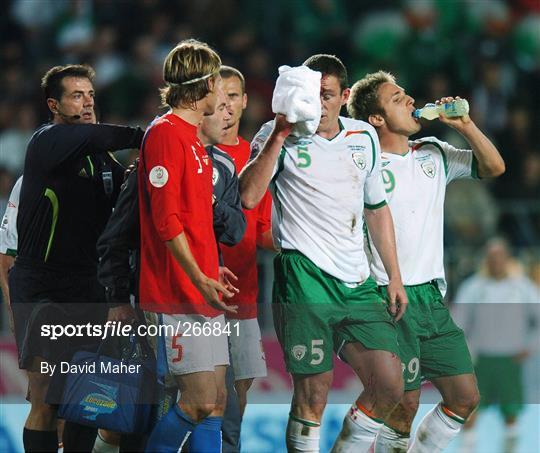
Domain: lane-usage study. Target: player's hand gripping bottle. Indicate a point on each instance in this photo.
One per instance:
(454, 109)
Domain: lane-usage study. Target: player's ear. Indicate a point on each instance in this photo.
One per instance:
(376, 120)
(345, 95)
(52, 104)
(244, 101)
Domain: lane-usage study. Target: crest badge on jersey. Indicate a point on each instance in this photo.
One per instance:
(158, 176)
(215, 176)
(428, 167)
(299, 351)
(359, 160)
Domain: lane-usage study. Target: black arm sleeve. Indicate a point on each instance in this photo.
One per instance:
(117, 243)
(229, 220)
(59, 143)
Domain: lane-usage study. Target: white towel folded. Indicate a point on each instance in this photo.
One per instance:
(297, 96)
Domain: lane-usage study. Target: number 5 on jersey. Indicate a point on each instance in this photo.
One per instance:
(304, 159)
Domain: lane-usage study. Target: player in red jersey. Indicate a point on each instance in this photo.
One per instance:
(247, 355)
(179, 286)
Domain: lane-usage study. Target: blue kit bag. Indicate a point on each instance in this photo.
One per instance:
(111, 393)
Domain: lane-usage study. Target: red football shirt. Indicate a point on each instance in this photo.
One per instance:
(242, 258)
(175, 193)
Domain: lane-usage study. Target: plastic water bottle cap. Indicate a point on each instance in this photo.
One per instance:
(416, 113)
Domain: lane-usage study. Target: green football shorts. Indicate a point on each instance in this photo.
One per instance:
(431, 345)
(506, 389)
(315, 314)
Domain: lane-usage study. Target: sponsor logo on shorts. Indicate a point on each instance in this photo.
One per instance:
(299, 351)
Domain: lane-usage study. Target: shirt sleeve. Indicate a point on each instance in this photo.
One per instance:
(458, 163)
(163, 160)
(258, 142)
(229, 219)
(8, 227)
(69, 141)
(374, 193)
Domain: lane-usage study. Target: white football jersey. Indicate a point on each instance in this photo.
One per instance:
(8, 227)
(500, 317)
(320, 188)
(415, 185)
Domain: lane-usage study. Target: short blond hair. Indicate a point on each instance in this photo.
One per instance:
(364, 98)
(188, 62)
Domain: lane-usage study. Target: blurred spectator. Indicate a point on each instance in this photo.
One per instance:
(490, 97)
(13, 140)
(470, 213)
(317, 26)
(497, 308)
(75, 31)
(7, 180)
(109, 63)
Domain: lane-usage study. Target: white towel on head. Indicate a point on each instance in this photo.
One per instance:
(297, 96)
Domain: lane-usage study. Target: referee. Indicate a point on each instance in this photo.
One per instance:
(70, 185)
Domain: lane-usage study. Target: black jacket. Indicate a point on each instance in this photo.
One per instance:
(118, 246)
(70, 185)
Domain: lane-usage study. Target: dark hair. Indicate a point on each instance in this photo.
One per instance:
(227, 72)
(51, 82)
(329, 65)
(364, 98)
(189, 61)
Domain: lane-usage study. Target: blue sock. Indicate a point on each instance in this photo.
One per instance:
(171, 433)
(206, 437)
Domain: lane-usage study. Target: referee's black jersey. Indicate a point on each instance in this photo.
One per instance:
(71, 182)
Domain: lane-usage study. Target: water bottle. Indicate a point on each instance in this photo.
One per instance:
(454, 109)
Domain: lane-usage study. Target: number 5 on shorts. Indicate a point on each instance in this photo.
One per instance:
(179, 348)
(317, 354)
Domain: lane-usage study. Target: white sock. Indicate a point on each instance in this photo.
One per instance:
(511, 435)
(389, 440)
(303, 435)
(358, 432)
(436, 430)
(100, 446)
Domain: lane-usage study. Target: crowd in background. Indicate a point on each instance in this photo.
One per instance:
(488, 52)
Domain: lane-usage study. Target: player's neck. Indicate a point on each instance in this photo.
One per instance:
(231, 136)
(193, 117)
(330, 132)
(394, 143)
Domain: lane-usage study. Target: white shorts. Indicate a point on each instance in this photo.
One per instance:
(189, 343)
(246, 348)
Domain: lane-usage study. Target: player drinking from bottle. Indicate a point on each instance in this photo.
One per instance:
(415, 175)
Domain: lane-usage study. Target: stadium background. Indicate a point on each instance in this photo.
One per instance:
(486, 51)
